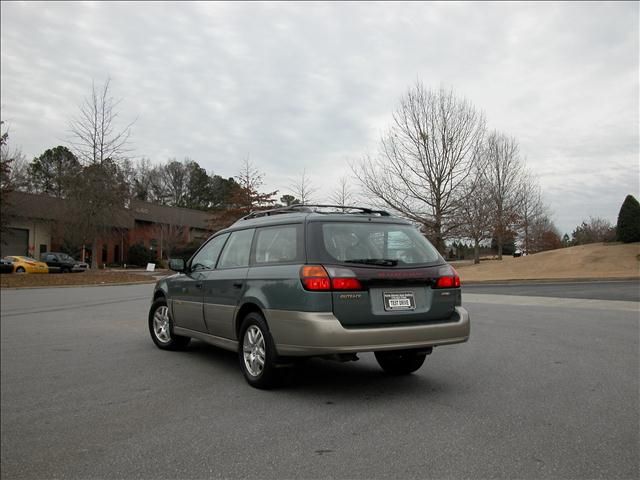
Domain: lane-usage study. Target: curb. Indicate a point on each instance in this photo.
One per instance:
(145, 282)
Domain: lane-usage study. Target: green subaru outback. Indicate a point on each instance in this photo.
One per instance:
(312, 281)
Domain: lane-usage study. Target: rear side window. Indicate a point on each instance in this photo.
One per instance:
(236, 251)
(281, 244)
(380, 244)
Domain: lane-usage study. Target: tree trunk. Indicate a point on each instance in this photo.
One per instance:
(476, 252)
(94, 254)
(437, 233)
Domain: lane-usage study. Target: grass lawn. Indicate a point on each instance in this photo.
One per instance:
(100, 277)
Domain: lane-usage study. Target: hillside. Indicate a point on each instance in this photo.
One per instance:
(598, 260)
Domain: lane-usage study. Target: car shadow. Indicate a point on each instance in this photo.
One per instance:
(314, 377)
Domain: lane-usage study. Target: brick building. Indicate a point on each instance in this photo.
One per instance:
(38, 225)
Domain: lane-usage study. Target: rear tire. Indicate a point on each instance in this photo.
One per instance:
(161, 327)
(400, 362)
(20, 270)
(257, 352)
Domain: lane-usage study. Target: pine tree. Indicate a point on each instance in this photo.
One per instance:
(628, 227)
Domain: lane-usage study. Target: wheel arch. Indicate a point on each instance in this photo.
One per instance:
(246, 308)
(159, 294)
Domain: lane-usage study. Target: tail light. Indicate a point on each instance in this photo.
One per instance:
(448, 278)
(315, 278)
(319, 278)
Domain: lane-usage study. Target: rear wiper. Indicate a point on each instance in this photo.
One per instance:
(384, 262)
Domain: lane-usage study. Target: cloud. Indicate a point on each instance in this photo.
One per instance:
(311, 85)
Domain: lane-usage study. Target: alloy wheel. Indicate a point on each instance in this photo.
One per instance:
(253, 350)
(161, 324)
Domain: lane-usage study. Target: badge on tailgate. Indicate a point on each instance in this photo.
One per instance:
(399, 301)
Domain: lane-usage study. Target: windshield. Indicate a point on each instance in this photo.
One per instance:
(379, 244)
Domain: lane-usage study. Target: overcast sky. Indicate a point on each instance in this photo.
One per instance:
(313, 85)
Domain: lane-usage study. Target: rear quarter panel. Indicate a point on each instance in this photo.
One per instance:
(278, 287)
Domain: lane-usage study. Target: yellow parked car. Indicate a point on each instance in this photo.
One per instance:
(28, 265)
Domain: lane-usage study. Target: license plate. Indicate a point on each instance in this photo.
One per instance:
(399, 301)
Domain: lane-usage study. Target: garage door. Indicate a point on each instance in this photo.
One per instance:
(15, 241)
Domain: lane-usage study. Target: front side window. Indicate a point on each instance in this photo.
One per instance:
(207, 257)
(278, 244)
(376, 244)
(237, 250)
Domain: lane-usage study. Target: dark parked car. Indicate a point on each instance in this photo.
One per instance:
(312, 281)
(6, 266)
(61, 262)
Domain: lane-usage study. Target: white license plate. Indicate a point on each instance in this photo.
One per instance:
(399, 301)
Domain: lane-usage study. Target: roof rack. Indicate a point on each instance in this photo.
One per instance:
(313, 208)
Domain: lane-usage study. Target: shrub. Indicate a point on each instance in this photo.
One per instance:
(628, 227)
(140, 255)
(594, 231)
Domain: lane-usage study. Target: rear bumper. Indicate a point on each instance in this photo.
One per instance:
(320, 333)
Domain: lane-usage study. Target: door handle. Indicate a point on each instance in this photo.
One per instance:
(237, 284)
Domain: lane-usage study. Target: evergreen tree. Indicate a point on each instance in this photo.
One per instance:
(628, 227)
(51, 172)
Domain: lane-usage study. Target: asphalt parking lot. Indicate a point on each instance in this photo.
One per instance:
(545, 388)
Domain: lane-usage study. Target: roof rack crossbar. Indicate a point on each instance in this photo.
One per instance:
(309, 207)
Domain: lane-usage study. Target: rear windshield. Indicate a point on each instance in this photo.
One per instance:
(379, 244)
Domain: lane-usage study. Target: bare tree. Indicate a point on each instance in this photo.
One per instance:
(141, 180)
(476, 211)
(18, 174)
(250, 181)
(97, 202)
(95, 137)
(543, 234)
(6, 186)
(425, 158)
(531, 207)
(343, 194)
(303, 188)
(503, 174)
(171, 238)
(175, 182)
(593, 231)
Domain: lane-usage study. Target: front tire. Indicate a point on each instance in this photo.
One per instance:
(400, 362)
(20, 270)
(257, 352)
(161, 327)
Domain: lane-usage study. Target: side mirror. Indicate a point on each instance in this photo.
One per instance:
(177, 264)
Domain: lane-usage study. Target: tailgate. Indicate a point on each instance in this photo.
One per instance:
(395, 296)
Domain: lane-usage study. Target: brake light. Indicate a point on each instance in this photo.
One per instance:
(449, 278)
(317, 278)
(448, 282)
(345, 284)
